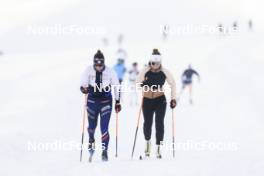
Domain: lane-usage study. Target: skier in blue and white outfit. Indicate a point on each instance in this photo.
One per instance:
(97, 81)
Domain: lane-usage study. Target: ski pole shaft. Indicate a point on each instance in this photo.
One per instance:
(135, 138)
(173, 134)
(83, 125)
(116, 135)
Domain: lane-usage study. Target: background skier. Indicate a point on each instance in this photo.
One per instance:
(133, 73)
(186, 78)
(120, 68)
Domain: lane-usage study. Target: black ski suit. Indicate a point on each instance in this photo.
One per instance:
(155, 102)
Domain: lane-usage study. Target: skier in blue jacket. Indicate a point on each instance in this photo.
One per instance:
(187, 77)
(120, 69)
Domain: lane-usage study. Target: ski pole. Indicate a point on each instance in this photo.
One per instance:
(135, 138)
(116, 135)
(173, 134)
(83, 125)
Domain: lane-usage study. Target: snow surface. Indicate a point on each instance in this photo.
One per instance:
(41, 102)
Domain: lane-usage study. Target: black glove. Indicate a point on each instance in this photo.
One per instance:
(117, 106)
(173, 104)
(84, 90)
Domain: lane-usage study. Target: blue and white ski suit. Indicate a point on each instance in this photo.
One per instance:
(99, 102)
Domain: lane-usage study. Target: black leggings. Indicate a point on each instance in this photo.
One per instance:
(157, 106)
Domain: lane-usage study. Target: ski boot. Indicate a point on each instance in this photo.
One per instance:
(147, 150)
(91, 149)
(104, 155)
(159, 152)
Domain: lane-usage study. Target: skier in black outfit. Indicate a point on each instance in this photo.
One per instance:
(153, 77)
(187, 80)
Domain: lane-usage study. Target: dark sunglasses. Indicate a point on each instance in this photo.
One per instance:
(154, 63)
(99, 65)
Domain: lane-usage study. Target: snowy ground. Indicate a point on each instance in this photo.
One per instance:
(40, 102)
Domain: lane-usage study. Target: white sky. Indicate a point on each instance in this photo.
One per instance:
(17, 14)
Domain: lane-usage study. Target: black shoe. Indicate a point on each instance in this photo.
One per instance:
(159, 156)
(104, 155)
(91, 149)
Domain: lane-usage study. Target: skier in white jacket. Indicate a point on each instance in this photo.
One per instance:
(97, 81)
